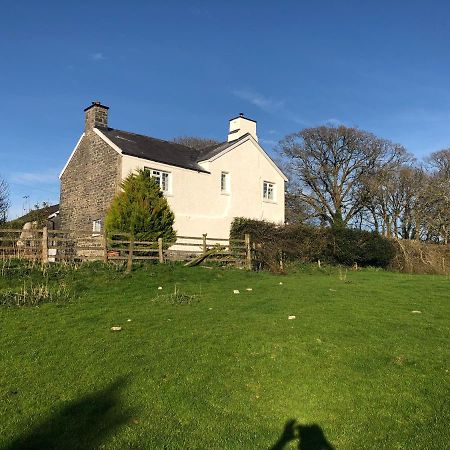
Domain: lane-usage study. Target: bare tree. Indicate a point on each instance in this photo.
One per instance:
(329, 167)
(438, 198)
(195, 142)
(4, 200)
(439, 162)
(395, 199)
(409, 202)
(412, 187)
(295, 210)
(437, 212)
(381, 199)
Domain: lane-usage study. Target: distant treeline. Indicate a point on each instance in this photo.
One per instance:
(348, 178)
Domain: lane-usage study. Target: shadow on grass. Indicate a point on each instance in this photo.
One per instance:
(309, 437)
(82, 424)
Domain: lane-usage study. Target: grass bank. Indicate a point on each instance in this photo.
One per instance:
(355, 369)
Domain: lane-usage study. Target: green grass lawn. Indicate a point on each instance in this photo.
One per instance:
(356, 369)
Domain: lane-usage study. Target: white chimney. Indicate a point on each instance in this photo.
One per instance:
(241, 125)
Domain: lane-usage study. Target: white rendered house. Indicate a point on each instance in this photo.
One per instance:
(206, 189)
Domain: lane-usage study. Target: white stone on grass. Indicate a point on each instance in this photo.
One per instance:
(280, 282)
(159, 288)
(416, 312)
(116, 328)
(236, 291)
(249, 289)
(291, 317)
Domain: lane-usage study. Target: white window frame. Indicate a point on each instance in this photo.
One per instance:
(159, 175)
(97, 227)
(225, 189)
(269, 191)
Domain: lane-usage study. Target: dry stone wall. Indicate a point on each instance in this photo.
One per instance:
(89, 183)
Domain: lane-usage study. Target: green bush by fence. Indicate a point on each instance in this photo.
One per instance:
(305, 243)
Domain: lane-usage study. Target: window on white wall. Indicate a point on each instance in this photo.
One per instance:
(162, 178)
(269, 190)
(225, 182)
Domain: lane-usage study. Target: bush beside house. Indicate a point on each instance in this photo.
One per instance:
(141, 210)
(301, 242)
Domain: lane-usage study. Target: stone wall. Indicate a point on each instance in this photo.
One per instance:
(89, 183)
(96, 116)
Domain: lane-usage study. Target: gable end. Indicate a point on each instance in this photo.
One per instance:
(245, 138)
(90, 180)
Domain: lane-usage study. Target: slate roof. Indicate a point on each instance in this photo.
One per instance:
(165, 152)
(46, 211)
(213, 150)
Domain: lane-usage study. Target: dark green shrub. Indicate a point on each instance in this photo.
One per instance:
(302, 242)
(259, 229)
(349, 246)
(265, 241)
(275, 244)
(141, 210)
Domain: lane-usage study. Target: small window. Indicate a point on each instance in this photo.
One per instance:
(162, 178)
(97, 226)
(268, 190)
(225, 182)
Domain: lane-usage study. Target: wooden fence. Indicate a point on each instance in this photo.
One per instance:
(46, 245)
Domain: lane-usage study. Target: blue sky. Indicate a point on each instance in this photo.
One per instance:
(185, 67)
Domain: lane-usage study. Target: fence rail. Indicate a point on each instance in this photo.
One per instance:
(80, 245)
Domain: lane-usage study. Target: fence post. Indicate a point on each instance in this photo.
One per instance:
(248, 251)
(105, 247)
(130, 254)
(45, 245)
(160, 250)
(204, 242)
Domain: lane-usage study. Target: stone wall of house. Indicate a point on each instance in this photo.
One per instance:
(89, 183)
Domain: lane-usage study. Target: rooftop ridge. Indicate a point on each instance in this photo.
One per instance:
(151, 137)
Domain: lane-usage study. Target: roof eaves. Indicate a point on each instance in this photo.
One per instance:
(198, 169)
(99, 132)
(220, 149)
(71, 156)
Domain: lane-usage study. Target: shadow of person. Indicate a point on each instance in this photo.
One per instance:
(309, 437)
(312, 438)
(82, 424)
(288, 434)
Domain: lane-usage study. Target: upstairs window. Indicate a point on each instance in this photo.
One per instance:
(268, 190)
(225, 182)
(162, 178)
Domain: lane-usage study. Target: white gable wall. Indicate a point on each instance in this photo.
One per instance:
(196, 197)
(249, 168)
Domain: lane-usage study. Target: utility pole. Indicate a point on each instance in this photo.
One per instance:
(25, 203)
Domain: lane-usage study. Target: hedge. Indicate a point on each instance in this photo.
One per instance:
(305, 243)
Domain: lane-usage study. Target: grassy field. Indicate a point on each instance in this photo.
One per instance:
(355, 369)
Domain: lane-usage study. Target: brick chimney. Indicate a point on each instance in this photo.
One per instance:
(239, 126)
(96, 116)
